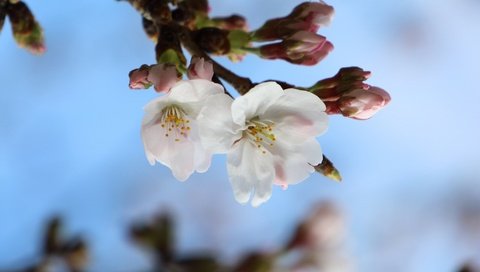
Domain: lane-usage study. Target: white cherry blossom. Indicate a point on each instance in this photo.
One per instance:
(268, 135)
(170, 130)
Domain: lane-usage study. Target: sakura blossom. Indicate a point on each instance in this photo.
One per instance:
(170, 128)
(268, 135)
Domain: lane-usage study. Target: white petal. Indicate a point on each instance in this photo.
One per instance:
(202, 157)
(187, 91)
(217, 130)
(183, 157)
(296, 165)
(298, 114)
(154, 141)
(255, 102)
(154, 107)
(250, 169)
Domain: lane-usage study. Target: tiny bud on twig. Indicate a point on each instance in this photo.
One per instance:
(328, 169)
(26, 30)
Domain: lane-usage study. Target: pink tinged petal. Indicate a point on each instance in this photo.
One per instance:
(217, 130)
(298, 115)
(255, 102)
(163, 76)
(191, 91)
(200, 69)
(293, 161)
(250, 170)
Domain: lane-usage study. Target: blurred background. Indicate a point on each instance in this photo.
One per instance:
(70, 140)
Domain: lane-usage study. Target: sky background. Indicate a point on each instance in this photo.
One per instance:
(70, 139)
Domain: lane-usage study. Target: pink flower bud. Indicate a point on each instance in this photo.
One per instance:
(309, 16)
(138, 78)
(200, 69)
(346, 80)
(314, 14)
(163, 76)
(362, 104)
(303, 48)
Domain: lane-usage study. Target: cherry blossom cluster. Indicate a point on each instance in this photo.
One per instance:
(269, 132)
(27, 32)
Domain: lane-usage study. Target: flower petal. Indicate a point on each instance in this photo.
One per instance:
(297, 165)
(249, 169)
(183, 155)
(298, 115)
(188, 91)
(255, 102)
(216, 127)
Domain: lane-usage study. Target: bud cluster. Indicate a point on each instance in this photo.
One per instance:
(164, 76)
(27, 32)
(299, 43)
(347, 94)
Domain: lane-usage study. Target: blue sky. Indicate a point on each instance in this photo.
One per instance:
(70, 141)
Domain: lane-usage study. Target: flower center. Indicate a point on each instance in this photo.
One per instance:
(175, 123)
(260, 134)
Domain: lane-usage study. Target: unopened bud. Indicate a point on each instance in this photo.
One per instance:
(309, 16)
(212, 40)
(138, 78)
(200, 69)
(362, 104)
(317, 14)
(163, 76)
(328, 169)
(347, 79)
(26, 31)
(150, 29)
(159, 11)
(140, 5)
(184, 16)
(198, 6)
(304, 48)
(233, 22)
